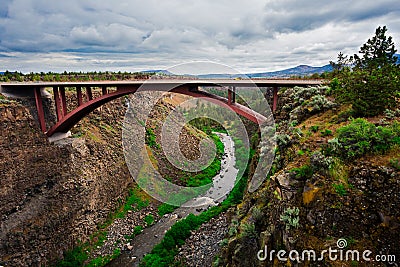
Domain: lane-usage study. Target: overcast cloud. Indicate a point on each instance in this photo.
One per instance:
(132, 35)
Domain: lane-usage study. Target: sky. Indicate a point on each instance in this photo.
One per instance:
(134, 35)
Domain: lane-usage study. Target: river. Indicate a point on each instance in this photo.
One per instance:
(223, 182)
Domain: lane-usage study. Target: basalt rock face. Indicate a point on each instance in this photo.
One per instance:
(314, 201)
(366, 218)
(52, 195)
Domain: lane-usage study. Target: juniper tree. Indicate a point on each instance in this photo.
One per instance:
(372, 82)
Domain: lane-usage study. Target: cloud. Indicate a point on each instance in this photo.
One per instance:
(265, 35)
(297, 16)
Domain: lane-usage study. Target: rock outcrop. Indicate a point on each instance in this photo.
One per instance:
(54, 195)
(314, 201)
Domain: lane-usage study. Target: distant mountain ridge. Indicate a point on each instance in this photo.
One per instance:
(301, 70)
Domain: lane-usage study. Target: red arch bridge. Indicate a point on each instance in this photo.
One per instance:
(115, 89)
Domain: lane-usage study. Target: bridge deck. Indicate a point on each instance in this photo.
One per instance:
(171, 82)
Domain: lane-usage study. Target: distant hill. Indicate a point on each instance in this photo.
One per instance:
(164, 72)
(301, 70)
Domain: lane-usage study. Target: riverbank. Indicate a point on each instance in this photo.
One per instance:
(143, 243)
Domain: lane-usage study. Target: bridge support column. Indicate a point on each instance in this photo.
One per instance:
(79, 95)
(63, 101)
(275, 99)
(104, 90)
(58, 103)
(89, 94)
(231, 95)
(39, 108)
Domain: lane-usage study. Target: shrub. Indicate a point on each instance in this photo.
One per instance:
(291, 218)
(248, 230)
(395, 163)
(340, 189)
(75, 257)
(300, 152)
(257, 214)
(304, 172)
(361, 137)
(326, 132)
(149, 219)
(314, 128)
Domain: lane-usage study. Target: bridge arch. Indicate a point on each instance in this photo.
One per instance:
(65, 123)
(66, 120)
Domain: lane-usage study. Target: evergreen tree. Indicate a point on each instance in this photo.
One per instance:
(377, 52)
(371, 85)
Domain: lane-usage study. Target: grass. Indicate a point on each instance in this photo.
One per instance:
(133, 202)
(300, 152)
(149, 219)
(150, 138)
(165, 208)
(137, 230)
(206, 175)
(101, 261)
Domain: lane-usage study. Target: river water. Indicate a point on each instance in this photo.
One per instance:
(223, 182)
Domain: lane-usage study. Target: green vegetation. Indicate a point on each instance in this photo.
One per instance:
(304, 172)
(150, 138)
(137, 230)
(361, 137)
(149, 219)
(340, 189)
(291, 217)
(206, 175)
(207, 125)
(165, 208)
(80, 254)
(314, 128)
(395, 163)
(133, 202)
(371, 81)
(72, 258)
(300, 152)
(72, 76)
(248, 230)
(101, 261)
(326, 132)
(163, 254)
